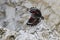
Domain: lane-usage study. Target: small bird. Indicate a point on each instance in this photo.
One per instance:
(36, 16)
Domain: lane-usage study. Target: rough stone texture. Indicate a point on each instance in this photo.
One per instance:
(14, 15)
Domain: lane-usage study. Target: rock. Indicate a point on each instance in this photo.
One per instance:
(14, 15)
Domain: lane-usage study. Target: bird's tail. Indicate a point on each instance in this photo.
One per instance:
(42, 17)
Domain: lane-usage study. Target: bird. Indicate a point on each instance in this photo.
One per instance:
(36, 16)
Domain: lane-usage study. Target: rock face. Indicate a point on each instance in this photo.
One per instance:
(14, 15)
